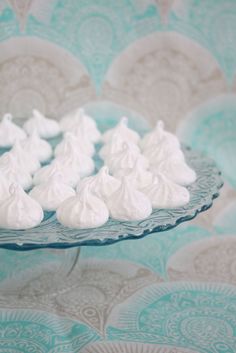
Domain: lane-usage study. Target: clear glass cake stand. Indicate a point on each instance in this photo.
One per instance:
(41, 260)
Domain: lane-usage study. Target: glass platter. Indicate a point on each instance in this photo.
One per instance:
(51, 234)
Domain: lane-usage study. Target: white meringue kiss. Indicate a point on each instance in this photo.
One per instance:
(79, 143)
(164, 193)
(52, 193)
(70, 174)
(102, 184)
(75, 160)
(25, 158)
(157, 136)
(38, 147)
(139, 177)
(129, 204)
(162, 151)
(20, 211)
(122, 162)
(176, 170)
(10, 167)
(45, 127)
(116, 145)
(83, 123)
(10, 132)
(84, 210)
(125, 132)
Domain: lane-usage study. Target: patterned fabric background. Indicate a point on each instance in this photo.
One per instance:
(174, 60)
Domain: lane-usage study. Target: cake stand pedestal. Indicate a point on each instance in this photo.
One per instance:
(40, 261)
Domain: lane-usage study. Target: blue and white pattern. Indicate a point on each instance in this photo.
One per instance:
(197, 316)
(148, 59)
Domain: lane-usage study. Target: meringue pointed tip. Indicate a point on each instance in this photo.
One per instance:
(81, 111)
(124, 120)
(160, 124)
(105, 169)
(37, 113)
(7, 116)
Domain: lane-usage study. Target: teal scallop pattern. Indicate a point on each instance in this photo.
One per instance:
(201, 317)
(96, 32)
(24, 331)
(211, 128)
(212, 23)
(152, 252)
(9, 26)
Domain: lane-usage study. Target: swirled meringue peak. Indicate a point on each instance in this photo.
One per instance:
(45, 127)
(164, 193)
(14, 172)
(103, 185)
(52, 193)
(20, 211)
(159, 135)
(162, 151)
(85, 210)
(83, 123)
(10, 132)
(125, 132)
(87, 127)
(38, 147)
(4, 187)
(25, 158)
(75, 160)
(73, 119)
(123, 161)
(139, 177)
(70, 173)
(176, 170)
(129, 204)
(80, 144)
(115, 145)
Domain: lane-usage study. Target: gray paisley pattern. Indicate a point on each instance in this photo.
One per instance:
(132, 347)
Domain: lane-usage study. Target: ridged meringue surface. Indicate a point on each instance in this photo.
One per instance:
(164, 193)
(139, 177)
(79, 144)
(14, 172)
(37, 146)
(125, 132)
(157, 136)
(20, 211)
(73, 118)
(25, 158)
(52, 193)
(176, 170)
(70, 175)
(103, 185)
(76, 160)
(88, 128)
(10, 132)
(162, 151)
(45, 127)
(114, 146)
(4, 187)
(129, 204)
(122, 162)
(84, 210)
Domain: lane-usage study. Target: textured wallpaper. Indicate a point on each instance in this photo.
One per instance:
(174, 60)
